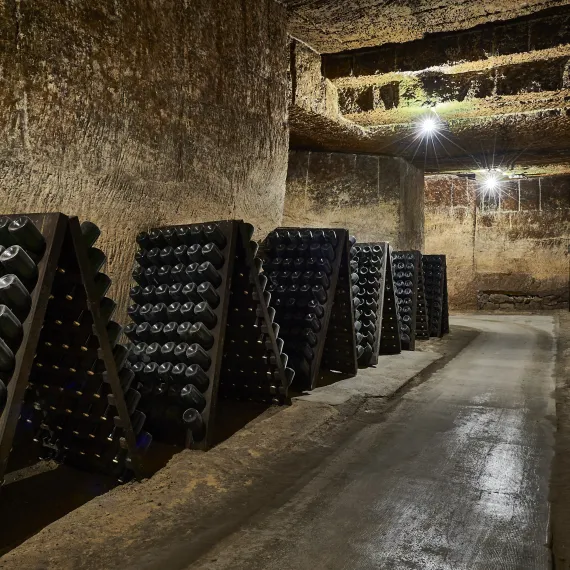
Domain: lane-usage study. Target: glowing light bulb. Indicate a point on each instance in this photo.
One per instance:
(428, 126)
(491, 183)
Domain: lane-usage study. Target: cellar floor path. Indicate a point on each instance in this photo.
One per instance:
(226, 508)
(455, 478)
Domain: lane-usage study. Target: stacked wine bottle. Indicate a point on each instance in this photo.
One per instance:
(411, 297)
(390, 342)
(69, 407)
(422, 314)
(370, 259)
(405, 282)
(434, 267)
(340, 350)
(181, 303)
(251, 368)
(21, 248)
(356, 301)
(303, 267)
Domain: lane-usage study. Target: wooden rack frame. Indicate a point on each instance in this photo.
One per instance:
(419, 321)
(336, 344)
(241, 268)
(55, 227)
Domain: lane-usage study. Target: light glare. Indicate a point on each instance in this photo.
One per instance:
(491, 183)
(428, 127)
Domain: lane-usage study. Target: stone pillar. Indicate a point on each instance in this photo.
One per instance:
(378, 198)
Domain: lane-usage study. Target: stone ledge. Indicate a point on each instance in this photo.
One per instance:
(520, 301)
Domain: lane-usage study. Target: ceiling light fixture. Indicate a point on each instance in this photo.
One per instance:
(428, 126)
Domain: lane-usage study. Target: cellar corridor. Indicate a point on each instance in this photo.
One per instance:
(455, 478)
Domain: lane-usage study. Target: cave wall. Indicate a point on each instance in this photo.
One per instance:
(378, 198)
(513, 247)
(134, 114)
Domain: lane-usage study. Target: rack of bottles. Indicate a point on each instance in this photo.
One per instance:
(202, 328)
(64, 389)
(309, 276)
(390, 342)
(370, 259)
(409, 288)
(435, 274)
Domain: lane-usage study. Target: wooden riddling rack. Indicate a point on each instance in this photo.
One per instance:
(435, 275)
(309, 277)
(409, 287)
(68, 395)
(202, 329)
(373, 269)
(390, 342)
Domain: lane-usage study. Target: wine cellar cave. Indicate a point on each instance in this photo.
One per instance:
(285, 284)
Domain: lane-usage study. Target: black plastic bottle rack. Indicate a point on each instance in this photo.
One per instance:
(408, 283)
(201, 328)
(370, 260)
(68, 394)
(435, 275)
(310, 283)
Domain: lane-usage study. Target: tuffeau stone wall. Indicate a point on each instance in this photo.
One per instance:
(377, 198)
(507, 250)
(133, 114)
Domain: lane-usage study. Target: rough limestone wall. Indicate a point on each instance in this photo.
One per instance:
(517, 243)
(377, 198)
(140, 113)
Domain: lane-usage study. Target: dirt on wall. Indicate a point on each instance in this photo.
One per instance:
(378, 198)
(517, 242)
(134, 114)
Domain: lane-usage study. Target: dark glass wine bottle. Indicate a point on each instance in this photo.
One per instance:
(187, 312)
(90, 233)
(195, 423)
(158, 313)
(209, 294)
(211, 253)
(6, 238)
(10, 328)
(15, 296)
(143, 331)
(171, 237)
(214, 234)
(180, 352)
(190, 291)
(199, 333)
(204, 313)
(25, 233)
(171, 331)
(167, 256)
(15, 260)
(207, 272)
(173, 312)
(195, 354)
(196, 376)
(191, 396)
(157, 332)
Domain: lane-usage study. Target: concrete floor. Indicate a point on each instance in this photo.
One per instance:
(454, 477)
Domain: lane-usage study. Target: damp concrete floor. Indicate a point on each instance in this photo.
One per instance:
(453, 477)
